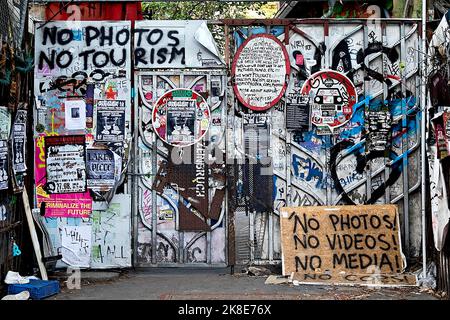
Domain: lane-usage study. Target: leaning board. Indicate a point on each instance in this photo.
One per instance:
(335, 243)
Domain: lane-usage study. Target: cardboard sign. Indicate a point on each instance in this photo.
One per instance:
(259, 68)
(368, 279)
(341, 240)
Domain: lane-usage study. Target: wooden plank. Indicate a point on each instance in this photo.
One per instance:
(34, 238)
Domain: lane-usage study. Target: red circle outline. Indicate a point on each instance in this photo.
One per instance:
(233, 70)
(155, 109)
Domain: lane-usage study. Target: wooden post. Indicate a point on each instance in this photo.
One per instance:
(34, 238)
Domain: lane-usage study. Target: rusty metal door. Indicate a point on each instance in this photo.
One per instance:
(161, 238)
(381, 59)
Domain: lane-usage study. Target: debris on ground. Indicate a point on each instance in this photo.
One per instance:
(258, 271)
(272, 279)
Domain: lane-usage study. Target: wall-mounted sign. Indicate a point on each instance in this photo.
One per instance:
(66, 165)
(181, 117)
(260, 68)
(332, 97)
(331, 243)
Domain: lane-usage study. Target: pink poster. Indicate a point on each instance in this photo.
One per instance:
(70, 205)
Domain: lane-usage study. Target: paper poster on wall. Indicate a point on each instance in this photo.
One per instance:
(76, 245)
(69, 205)
(65, 162)
(181, 117)
(75, 114)
(5, 123)
(18, 142)
(379, 125)
(332, 97)
(111, 234)
(259, 69)
(100, 169)
(256, 134)
(4, 166)
(298, 112)
(110, 115)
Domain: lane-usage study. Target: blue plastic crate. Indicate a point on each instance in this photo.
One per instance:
(38, 289)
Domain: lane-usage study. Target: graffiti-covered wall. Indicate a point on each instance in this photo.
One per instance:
(338, 123)
(181, 85)
(82, 140)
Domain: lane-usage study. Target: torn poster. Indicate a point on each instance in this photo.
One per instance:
(5, 123)
(111, 234)
(66, 165)
(4, 165)
(75, 114)
(110, 120)
(18, 142)
(76, 245)
(70, 205)
(100, 169)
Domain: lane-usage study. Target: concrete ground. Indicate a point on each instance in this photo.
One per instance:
(207, 284)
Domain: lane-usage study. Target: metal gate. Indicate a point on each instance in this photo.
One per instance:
(354, 165)
(162, 201)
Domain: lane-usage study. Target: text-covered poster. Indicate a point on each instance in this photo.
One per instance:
(18, 142)
(110, 120)
(66, 205)
(66, 166)
(4, 177)
(260, 67)
(5, 123)
(100, 169)
(181, 117)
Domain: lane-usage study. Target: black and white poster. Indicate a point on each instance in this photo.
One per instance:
(100, 169)
(181, 120)
(18, 142)
(66, 165)
(379, 123)
(110, 120)
(298, 112)
(256, 134)
(4, 165)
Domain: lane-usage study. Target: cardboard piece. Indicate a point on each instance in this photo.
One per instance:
(341, 241)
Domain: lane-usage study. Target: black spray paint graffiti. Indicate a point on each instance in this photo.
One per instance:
(159, 46)
(375, 47)
(361, 162)
(106, 36)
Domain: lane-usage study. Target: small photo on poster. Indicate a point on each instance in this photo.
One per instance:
(75, 114)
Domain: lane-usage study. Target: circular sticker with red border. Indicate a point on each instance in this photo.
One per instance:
(332, 96)
(181, 117)
(260, 68)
